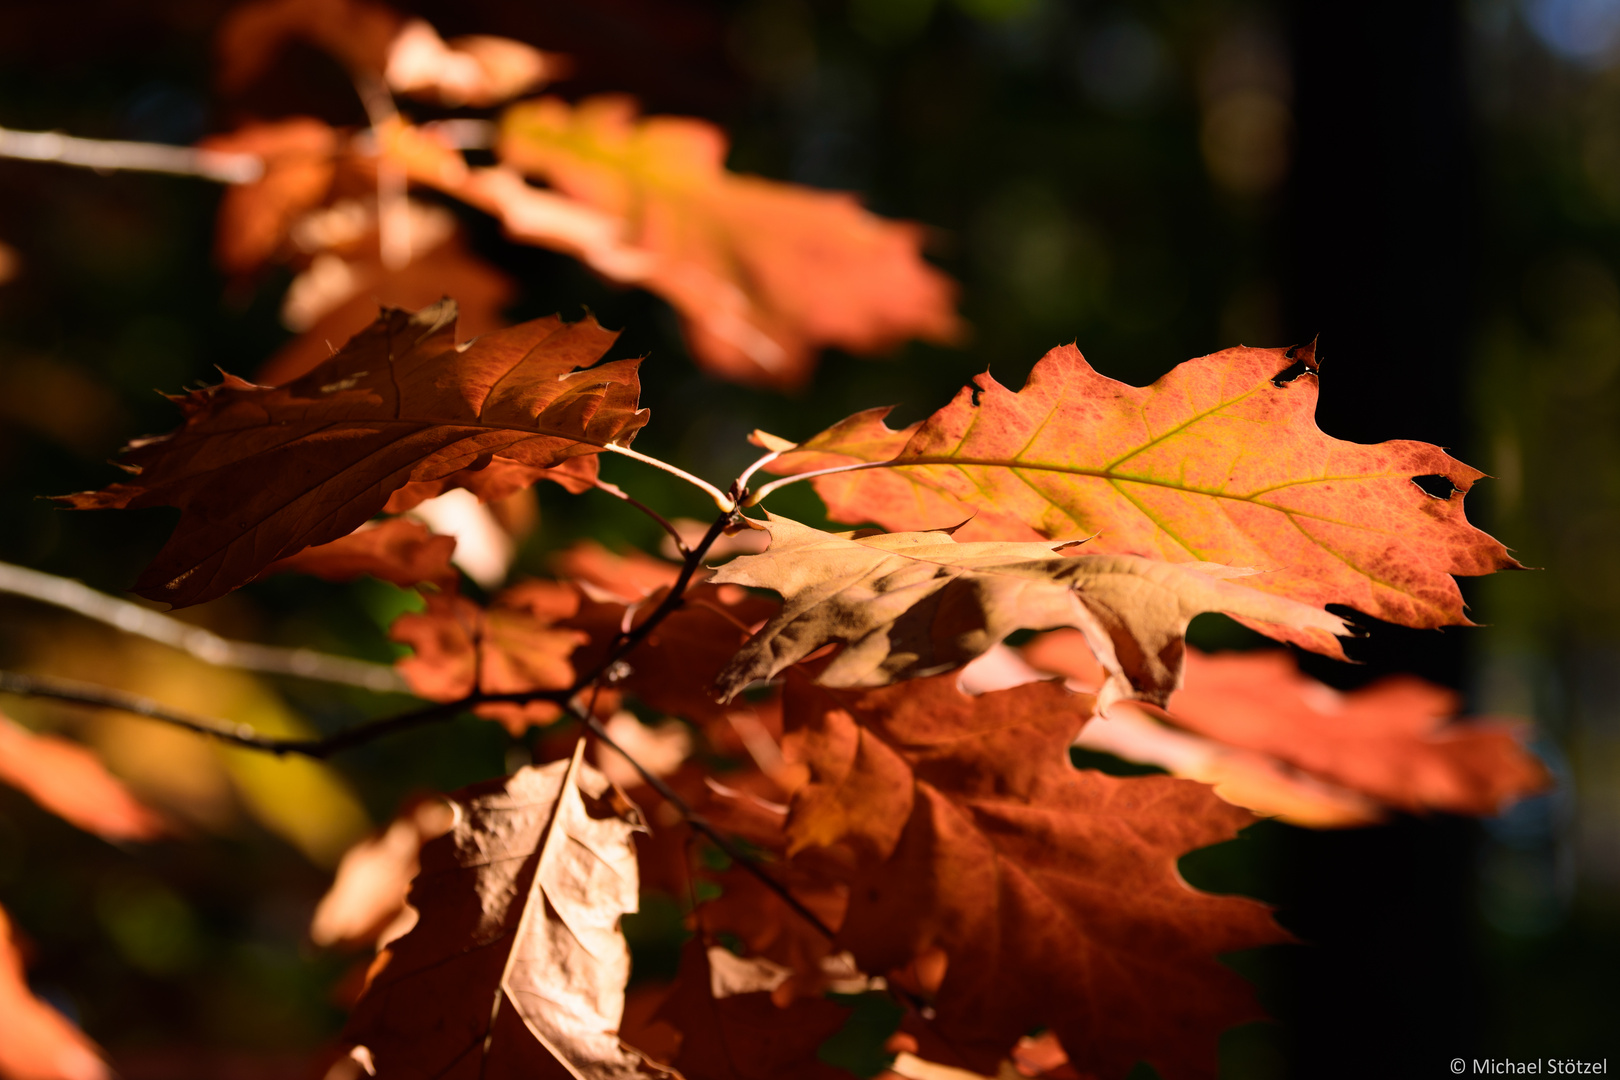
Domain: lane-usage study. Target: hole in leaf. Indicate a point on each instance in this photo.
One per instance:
(977, 393)
(1290, 373)
(1435, 485)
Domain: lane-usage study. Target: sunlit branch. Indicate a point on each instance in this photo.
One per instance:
(748, 473)
(725, 502)
(202, 644)
(103, 154)
(755, 498)
(619, 493)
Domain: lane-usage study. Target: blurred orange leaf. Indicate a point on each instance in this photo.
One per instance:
(762, 273)
(72, 783)
(36, 1041)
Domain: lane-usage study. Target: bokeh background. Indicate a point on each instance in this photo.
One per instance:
(1430, 188)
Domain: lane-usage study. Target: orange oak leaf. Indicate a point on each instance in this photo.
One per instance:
(72, 783)
(912, 604)
(763, 273)
(1391, 745)
(36, 1041)
(398, 550)
(1219, 461)
(732, 1032)
(260, 472)
(519, 907)
(1014, 889)
(513, 646)
(300, 164)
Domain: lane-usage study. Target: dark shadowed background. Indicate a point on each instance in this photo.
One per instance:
(1432, 189)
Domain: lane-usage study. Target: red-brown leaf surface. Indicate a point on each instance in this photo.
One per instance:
(1033, 894)
(72, 783)
(514, 645)
(762, 273)
(1216, 462)
(36, 1041)
(259, 473)
(519, 907)
(398, 550)
(746, 1036)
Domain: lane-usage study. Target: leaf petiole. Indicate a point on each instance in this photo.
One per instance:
(725, 502)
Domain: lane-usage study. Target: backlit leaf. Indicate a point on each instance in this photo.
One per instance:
(1219, 461)
(72, 783)
(762, 273)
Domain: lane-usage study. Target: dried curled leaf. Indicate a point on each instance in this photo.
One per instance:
(261, 472)
(72, 783)
(1219, 461)
(762, 273)
(519, 908)
(913, 604)
(1015, 890)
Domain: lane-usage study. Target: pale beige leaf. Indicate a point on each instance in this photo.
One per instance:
(519, 909)
(906, 605)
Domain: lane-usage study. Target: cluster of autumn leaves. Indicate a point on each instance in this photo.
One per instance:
(895, 767)
(884, 757)
(762, 274)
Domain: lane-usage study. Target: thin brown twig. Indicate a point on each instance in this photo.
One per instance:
(243, 735)
(699, 823)
(619, 493)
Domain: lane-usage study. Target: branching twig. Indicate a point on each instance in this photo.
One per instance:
(619, 493)
(755, 497)
(202, 644)
(701, 824)
(218, 165)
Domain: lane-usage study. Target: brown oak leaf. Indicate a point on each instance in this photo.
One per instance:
(1219, 461)
(261, 472)
(731, 1035)
(519, 908)
(516, 644)
(1015, 890)
(911, 604)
